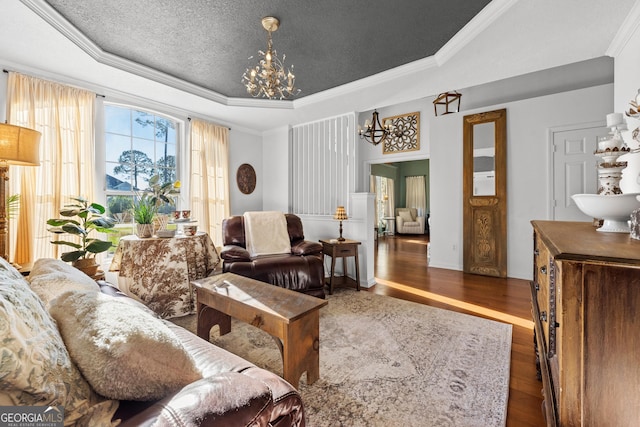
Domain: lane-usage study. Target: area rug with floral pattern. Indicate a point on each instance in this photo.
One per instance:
(390, 362)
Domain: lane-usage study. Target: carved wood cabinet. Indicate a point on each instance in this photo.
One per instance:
(586, 311)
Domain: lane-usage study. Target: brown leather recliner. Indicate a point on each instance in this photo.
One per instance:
(302, 270)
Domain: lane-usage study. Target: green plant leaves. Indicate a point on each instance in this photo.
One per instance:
(72, 256)
(90, 216)
(97, 246)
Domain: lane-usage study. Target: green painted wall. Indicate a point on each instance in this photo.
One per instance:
(412, 168)
(398, 172)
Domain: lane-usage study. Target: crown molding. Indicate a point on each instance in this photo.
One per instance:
(629, 26)
(368, 82)
(480, 22)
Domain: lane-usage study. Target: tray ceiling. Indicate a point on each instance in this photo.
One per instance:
(208, 43)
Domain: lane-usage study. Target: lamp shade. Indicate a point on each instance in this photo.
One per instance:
(340, 214)
(19, 146)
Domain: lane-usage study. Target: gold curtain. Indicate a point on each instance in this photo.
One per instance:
(209, 178)
(66, 118)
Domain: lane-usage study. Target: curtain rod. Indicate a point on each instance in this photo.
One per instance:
(189, 118)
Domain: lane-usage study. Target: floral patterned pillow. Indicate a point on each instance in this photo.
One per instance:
(35, 366)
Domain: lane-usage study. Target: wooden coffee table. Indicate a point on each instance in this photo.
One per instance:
(291, 317)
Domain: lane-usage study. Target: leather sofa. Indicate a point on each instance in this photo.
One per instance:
(302, 270)
(213, 400)
(229, 391)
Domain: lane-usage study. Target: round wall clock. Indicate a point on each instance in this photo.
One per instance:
(246, 178)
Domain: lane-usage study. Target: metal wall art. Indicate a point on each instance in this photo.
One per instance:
(405, 133)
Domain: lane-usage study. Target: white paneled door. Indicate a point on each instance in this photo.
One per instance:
(574, 170)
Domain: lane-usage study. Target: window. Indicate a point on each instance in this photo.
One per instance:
(138, 145)
(384, 199)
(323, 157)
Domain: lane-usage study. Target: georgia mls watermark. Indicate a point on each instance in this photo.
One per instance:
(31, 416)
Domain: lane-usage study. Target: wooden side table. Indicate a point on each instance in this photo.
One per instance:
(344, 249)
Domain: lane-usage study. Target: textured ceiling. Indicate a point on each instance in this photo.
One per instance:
(330, 42)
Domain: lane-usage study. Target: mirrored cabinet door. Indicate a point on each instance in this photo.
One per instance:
(485, 193)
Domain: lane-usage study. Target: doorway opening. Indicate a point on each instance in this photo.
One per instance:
(389, 183)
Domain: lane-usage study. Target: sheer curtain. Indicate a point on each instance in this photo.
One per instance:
(390, 199)
(416, 196)
(385, 201)
(372, 189)
(65, 116)
(209, 183)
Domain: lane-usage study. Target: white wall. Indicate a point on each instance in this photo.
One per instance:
(275, 164)
(245, 147)
(372, 154)
(528, 169)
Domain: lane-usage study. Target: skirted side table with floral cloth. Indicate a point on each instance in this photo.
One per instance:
(159, 271)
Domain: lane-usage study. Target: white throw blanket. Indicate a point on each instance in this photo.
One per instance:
(266, 233)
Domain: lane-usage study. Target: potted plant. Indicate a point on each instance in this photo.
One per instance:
(164, 197)
(145, 206)
(144, 210)
(80, 219)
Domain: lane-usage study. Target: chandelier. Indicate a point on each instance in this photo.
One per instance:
(373, 131)
(269, 78)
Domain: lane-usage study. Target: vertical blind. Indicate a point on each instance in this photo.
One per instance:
(323, 169)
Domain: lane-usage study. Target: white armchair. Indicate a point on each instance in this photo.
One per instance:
(408, 221)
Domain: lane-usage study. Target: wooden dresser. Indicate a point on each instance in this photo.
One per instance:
(586, 310)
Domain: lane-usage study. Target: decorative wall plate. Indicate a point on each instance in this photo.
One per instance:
(246, 178)
(405, 135)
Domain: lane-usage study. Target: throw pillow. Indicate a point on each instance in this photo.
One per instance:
(124, 352)
(36, 368)
(8, 271)
(51, 277)
(406, 216)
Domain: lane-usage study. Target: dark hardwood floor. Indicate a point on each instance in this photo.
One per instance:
(401, 271)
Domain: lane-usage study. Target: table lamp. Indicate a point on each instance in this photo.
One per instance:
(18, 146)
(340, 215)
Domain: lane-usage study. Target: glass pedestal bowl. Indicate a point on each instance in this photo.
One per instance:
(614, 209)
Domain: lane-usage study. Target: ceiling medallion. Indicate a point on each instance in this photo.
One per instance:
(269, 78)
(373, 131)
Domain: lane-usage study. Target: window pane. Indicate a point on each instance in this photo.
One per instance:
(171, 131)
(119, 207)
(115, 145)
(144, 145)
(118, 177)
(165, 130)
(165, 154)
(143, 125)
(138, 145)
(166, 175)
(117, 120)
